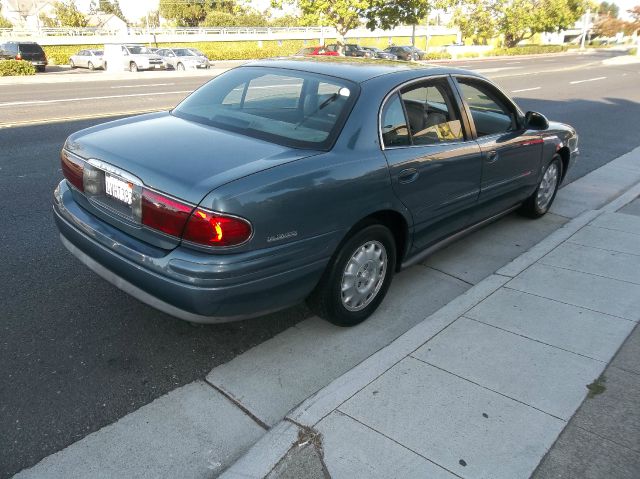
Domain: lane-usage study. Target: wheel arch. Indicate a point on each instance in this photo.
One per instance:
(565, 156)
(394, 221)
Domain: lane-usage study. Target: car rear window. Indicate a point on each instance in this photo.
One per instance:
(288, 107)
(30, 48)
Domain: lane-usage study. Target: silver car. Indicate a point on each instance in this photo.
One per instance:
(90, 59)
(182, 59)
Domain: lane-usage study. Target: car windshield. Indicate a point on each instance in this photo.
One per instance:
(138, 50)
(292, 108)
(183, 52)
(197, 52)
(97, 52)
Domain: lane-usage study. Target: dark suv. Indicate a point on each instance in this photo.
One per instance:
(28, 51)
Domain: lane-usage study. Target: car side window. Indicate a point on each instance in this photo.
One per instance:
(491, 115)
(432, 114)
(394, 123)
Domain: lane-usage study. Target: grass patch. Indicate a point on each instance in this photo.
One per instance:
(596, 387)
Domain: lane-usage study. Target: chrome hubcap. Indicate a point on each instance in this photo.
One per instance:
(547, 187)
(363, 275)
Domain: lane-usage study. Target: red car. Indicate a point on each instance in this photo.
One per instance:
(315, 51)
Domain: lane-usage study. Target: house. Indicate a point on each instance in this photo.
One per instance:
(107, 22)
(26, 13)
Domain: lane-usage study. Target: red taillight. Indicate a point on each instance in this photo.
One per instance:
(72, 170)
(215, 229)
(164, 214)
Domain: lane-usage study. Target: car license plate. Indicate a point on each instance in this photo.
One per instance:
(119, 189)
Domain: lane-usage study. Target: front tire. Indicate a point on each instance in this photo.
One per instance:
(357, 278)
(133, 67)
(542, 198)
(71, 64)
(91, 67)
(180, 67)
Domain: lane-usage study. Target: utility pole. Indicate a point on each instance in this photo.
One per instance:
(585, 22)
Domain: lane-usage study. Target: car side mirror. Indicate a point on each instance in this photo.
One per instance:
(536, 121)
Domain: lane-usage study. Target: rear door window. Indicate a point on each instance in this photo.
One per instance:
(30, 48)
(432, 113)
(394, 124)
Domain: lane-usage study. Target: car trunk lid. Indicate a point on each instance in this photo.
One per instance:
(173, 156)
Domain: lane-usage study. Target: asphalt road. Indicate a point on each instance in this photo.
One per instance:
(76, 354)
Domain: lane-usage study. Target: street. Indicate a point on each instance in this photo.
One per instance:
(79, 354)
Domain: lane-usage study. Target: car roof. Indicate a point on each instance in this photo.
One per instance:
(355, 69)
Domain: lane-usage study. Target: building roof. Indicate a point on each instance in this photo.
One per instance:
(101, 19)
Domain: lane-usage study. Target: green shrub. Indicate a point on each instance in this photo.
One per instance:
(468, 55)
(633, 51)
(529, 50)
(59, 54)
(16, 68)
(437, 56)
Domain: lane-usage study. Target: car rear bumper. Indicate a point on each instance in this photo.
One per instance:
(187, 284)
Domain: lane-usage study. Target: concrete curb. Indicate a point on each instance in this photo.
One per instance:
(261, 459)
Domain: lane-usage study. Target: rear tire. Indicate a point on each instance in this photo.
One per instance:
(41, 69)
(91, 67)
(357, 278)
(180, 67)
(71, 64)
(133, 67)
(542, 198)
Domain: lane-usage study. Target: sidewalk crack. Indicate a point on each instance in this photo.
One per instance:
(239, 405)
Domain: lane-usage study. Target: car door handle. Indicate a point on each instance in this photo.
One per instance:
(492, 156)
(407, 176)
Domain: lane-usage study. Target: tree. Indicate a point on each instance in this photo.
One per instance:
(517, 20)
(4, 23)
(190, 13)
(609, 26)
(476, 20)
(65, 14)
(111, 7)
(390, 14)
(609, 9)
(343, 15)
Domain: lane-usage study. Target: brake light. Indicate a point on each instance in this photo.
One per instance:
(210, 228)
(164, 214)
(72, 169)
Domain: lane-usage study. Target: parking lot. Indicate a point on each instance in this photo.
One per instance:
(79, 354)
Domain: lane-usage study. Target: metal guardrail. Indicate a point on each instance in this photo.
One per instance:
(93, 31)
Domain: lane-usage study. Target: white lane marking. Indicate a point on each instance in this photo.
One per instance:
(582, 81)
(526, 89)
(141, 86)
(106, 97)
(513, 63)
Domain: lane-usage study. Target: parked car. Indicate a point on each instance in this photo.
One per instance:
(377, 53)
(351, 50)
(90, 59)
(28, 51)
(282, 180)
(181, 59)
(139, 57)
(403, 53)
(199, 54)
(316, 51)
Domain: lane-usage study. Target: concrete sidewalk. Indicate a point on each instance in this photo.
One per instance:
(486, 385)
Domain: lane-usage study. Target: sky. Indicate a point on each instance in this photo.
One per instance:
(136, 9)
